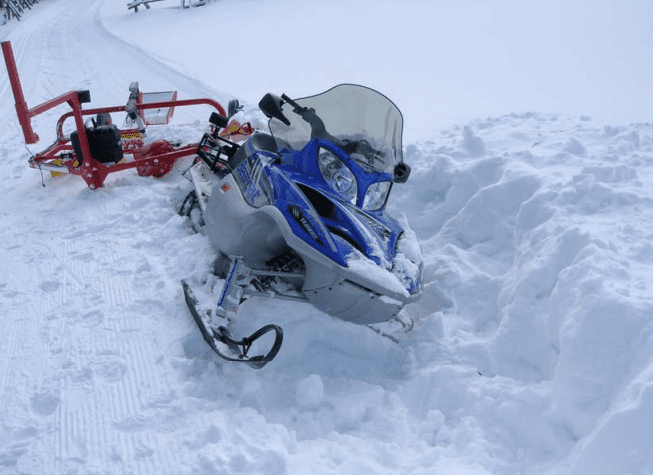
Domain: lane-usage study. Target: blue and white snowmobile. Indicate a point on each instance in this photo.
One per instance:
(301, 214)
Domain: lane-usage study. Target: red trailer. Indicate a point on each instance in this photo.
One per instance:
(97, 147)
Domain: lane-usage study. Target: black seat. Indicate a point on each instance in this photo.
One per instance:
(103, 141)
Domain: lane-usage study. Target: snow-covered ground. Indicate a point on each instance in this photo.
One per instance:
(534, 347)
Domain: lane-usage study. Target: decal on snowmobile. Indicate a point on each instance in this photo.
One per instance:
(248, 185)
(307, 219)
(382, 231)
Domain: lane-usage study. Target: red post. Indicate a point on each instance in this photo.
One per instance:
(21, 105)
(93, 173)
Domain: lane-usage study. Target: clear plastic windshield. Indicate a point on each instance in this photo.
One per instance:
(361, 121)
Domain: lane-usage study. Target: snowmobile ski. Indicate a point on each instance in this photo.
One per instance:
(226, 347)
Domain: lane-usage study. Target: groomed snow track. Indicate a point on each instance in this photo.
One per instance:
(80, 349)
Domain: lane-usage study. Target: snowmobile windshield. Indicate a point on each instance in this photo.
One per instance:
(361, 121)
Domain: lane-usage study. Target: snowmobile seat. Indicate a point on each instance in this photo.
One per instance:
(256, 143)
(103, 141)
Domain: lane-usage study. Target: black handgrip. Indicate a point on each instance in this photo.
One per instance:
(291, 102)
(218, 120)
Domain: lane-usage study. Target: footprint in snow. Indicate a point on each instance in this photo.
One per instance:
(18, 443)
(50, 285)
(111, 371)
(44, 404)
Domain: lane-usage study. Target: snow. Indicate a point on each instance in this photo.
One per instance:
(533, 343)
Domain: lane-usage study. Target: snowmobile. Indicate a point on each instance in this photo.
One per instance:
(300, 213)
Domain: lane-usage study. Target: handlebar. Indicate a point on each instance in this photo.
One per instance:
(318, 129)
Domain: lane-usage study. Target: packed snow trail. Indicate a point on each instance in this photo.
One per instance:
(80, 347)
(533, 348)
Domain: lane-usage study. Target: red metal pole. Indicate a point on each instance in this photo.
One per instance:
(21, 106)
(93, 172)
(150, 105)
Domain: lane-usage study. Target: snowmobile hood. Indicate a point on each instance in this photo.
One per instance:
(364, 242)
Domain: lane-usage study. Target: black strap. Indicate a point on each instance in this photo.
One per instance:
(257, 362)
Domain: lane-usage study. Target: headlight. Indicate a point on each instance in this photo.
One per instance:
(338, 176)
(376, 195)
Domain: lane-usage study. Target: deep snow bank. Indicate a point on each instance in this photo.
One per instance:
(538, 230)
